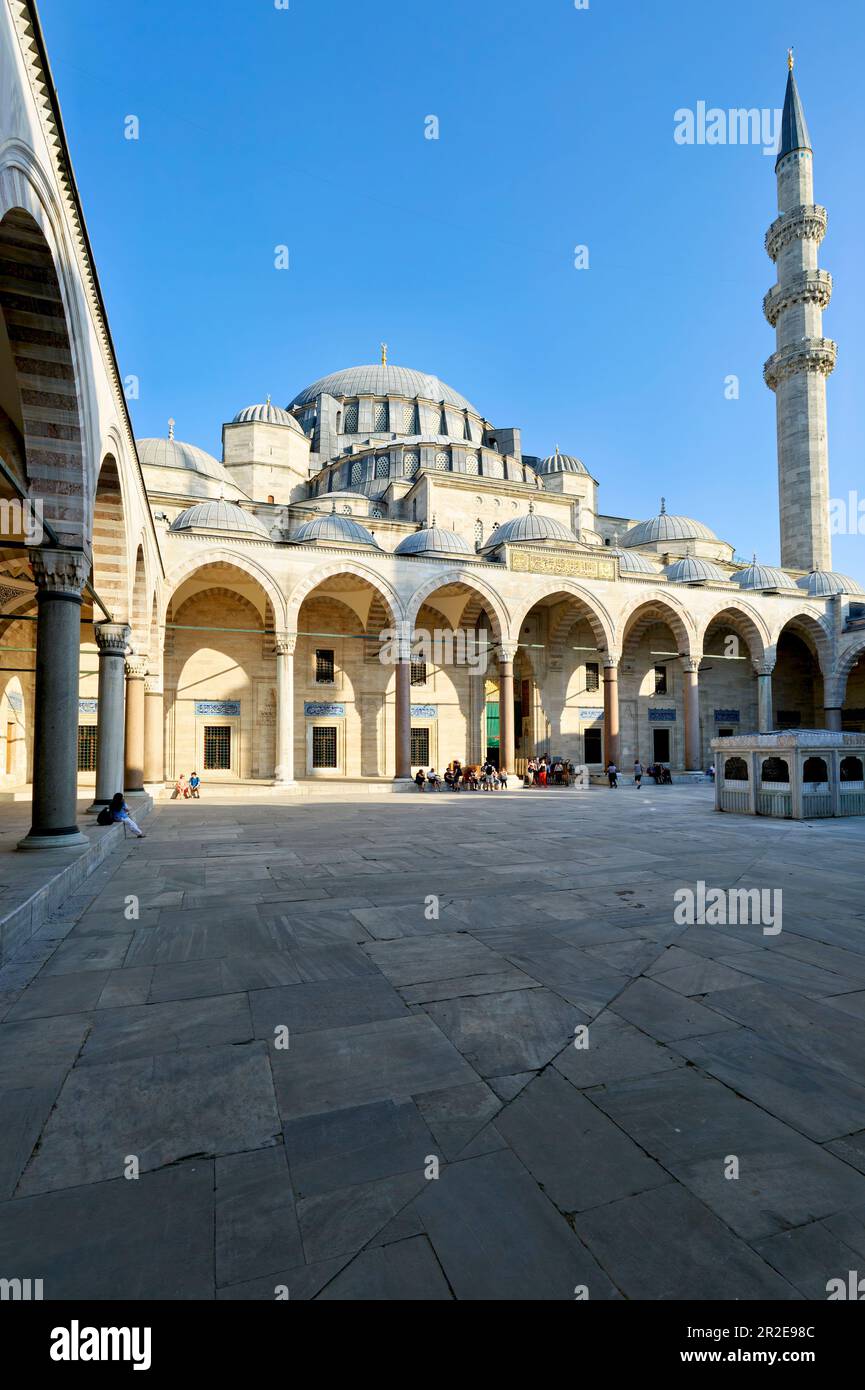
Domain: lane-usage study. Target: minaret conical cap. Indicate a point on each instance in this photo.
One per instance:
(794, 128)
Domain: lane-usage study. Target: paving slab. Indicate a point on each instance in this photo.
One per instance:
(407, 1271)
(499, 1034)
(358, 1144)
(257, 1231)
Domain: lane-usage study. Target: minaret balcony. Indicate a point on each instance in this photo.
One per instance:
(806, 222)
(807, 287)
(808, 355)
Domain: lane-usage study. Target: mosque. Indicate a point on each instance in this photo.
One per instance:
(374, 577)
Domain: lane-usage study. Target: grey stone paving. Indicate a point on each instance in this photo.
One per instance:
(536, 1091)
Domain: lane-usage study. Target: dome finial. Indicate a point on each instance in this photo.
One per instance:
(384, 354)
(171, 424)
(333, 507)
(268, 398)
(663, 506)
(790, 58)
(754, 558)
(531, 506)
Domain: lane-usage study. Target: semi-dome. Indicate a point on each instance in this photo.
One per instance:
(665, 527)
(529, 528)
(825, 583)
(220, 516)
(266, 414)
(561, 463)
(762, 577)
(333, 529)
(382, 380)
(433, 540)
(692, 570)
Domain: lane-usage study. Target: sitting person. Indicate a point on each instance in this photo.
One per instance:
(194, 784)
(434, 780)
(419, 779)
(181, 788)
(449, 777)
(120, 812)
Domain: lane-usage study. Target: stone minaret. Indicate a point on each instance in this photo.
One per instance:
(803, 358)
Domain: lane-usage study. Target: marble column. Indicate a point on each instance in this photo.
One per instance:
(691, 701)
(133, 777)
(765, 717)
(611, 710)
(284, 774)
(154, 731)
(59, 576)
(507, 746)
(403, 711)
(112, 640)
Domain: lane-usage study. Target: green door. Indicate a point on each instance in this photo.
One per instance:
(493, 732)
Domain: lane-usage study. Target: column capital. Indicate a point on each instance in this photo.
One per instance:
(508, 651)
(112, 639)
(60, 571)
(691, 664)
(136, 667)
(611, 660)
(763, 667)
(285, 643)
(152, 685)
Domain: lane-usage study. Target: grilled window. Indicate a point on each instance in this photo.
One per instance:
(420, 747)
(418, 673)
(660, 680)
(382, 466)
(324, 747)
(217, 748)
(349, 423)
(380, 416)
(593, 675)
(86, 748)
(324, 666)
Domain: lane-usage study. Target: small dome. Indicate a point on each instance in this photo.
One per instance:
(632, 562)
(333, 528)
(561, 463)
(433, 540)
(267, 414)
(692, 570)
(825, 583)
(531, 527)
(220, 516)
(664, 527)
(761, 577)
(173, 453)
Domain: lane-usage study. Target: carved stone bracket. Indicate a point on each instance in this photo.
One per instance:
(808, 287)
(810, 355)
(807, 222)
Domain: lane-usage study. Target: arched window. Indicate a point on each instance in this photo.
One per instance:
(735, 770)
(815, 770)
(775, 770)
(851, 769)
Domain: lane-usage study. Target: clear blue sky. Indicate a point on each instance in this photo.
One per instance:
(305, 127)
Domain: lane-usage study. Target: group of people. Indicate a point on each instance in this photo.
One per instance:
(659, 774)
(549, 772)
(485, 777)
(183, 790)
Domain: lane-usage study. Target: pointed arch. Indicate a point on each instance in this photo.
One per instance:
(498, 611)
(317, 577)
(237, 560)
(658, 608)
(586, 605)
(745, 619)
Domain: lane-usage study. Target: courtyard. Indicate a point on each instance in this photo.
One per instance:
(438, 1047)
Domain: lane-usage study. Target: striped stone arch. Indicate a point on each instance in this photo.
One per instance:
(113, 575)
(213, 555)
(498, 612)
(813, 630)
(316, 578)
(586, 605)
(744, 619)
(43, 313)
(846, 662)
(139, 603)
(662, 607)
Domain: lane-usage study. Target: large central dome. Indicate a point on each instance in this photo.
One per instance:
(383, 381)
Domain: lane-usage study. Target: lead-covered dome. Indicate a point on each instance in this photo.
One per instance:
(532, 527)
(762, 577)
(665, 527)
(187, 469)
(632, 562)
(825, 583)
(433, 540)
(333, 529)
(692, 570)
(382, 380)
(266, 414)
(560, 463)
(222, 516)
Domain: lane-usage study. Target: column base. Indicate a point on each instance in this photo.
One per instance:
(69, 840)
(96, 806)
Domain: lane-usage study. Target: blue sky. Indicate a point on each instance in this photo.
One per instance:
(304, 127)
